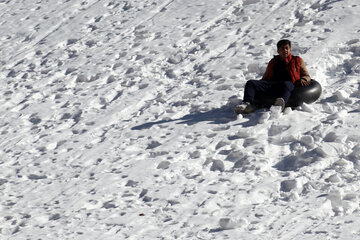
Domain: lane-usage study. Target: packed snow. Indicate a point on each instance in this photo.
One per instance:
(117, 121)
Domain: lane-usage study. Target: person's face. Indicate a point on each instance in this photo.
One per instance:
(284, 51)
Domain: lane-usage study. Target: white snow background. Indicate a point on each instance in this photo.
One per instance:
(117, 122)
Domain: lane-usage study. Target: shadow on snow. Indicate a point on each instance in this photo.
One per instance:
(220, 115)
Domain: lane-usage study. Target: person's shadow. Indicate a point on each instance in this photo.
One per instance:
(222, 115)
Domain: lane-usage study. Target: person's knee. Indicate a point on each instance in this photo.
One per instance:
(250, 82)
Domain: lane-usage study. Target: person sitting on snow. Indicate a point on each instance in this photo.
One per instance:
(283, 73)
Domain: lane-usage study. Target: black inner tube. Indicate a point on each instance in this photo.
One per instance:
(300, 95)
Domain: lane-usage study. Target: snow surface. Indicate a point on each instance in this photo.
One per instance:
(117, 122)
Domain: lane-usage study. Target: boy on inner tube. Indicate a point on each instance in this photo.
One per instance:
(283, 73)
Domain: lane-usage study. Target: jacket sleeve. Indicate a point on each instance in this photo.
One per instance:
(304, 74)
(269, 69)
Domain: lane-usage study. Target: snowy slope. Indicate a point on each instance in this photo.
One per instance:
(117, 122)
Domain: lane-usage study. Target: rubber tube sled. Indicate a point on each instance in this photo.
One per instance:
(304, 94)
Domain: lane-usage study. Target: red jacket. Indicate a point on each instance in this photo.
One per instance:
(295, 67)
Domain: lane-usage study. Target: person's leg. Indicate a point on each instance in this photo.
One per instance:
(254, 87)
(281, 92)
(249, 91)
(284, 90)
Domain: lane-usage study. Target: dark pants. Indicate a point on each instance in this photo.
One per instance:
(261, 89)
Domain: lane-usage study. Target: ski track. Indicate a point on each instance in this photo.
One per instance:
(117, 121)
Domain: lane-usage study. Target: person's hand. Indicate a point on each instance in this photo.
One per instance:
(302, 82)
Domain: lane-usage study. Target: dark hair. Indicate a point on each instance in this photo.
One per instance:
(283, 42)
